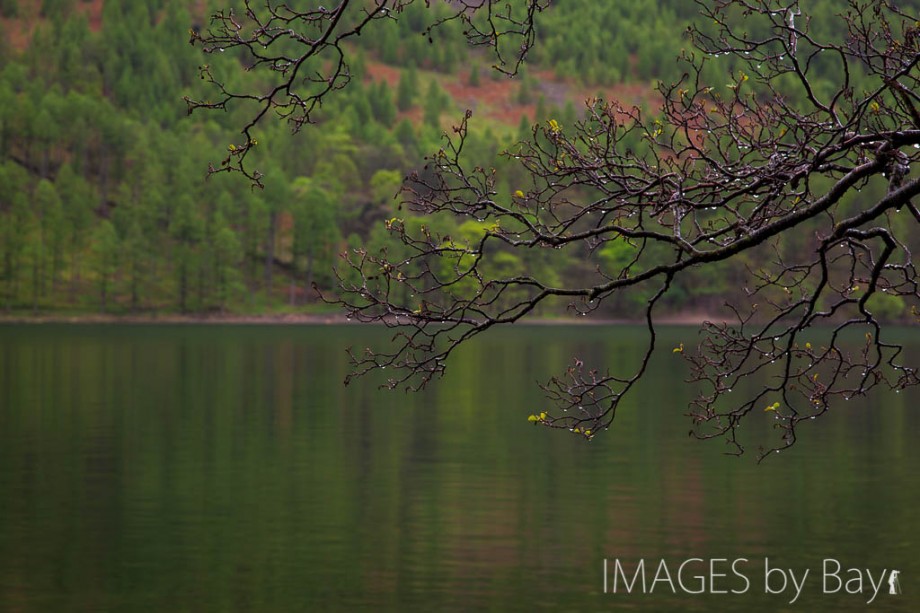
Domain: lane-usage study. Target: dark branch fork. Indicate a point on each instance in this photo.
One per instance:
(302, 54)
(725, 170)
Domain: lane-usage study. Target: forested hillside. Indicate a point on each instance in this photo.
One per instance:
(104, 204)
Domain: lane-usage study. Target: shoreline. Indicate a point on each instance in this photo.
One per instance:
(314, 319)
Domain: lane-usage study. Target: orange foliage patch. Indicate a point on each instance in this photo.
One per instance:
(497, 98)
(18, 31)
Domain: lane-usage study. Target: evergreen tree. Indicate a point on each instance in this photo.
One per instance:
(105, 250)
(56, 8)
(14, 233)
(524, 132)
(434, 104)
(384, 109)
(9, 8)
(525, 90)
(7, 103)
(186, 229)
(78, 200)
(228, 255)
(54, 229)
(406, 90)
(256, 229)
(315, 231)
(406, 136)
(474, 80)
(277, 199)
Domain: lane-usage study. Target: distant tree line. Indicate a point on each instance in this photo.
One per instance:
(103, 205)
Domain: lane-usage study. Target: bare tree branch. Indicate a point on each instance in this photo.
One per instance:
(720, 172)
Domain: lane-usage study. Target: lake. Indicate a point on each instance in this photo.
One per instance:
(226, 468)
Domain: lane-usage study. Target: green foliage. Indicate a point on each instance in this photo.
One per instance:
(315, 232)
(474, 80)
(405, 135)
(228, 253)
(52, 8)
(526, 89)
(407, 89)
(102, 198)
(385, 184)
(436, 101)
(382, 104)
(105, 252)
(9, 8)
(886, 306)
(617, 255)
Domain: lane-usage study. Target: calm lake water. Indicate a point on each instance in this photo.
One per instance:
(225, 468)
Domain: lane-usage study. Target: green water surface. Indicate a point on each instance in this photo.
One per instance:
(226, 468)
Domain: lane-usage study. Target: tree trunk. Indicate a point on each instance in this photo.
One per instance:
(183, 287)
(8, 260)
(74, 272)
(36, 272)
(201, 286)
(135, 299)
(270, 251)
(56, 259)
(308, 280)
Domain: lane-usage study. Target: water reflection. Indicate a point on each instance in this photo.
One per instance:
(227, 468)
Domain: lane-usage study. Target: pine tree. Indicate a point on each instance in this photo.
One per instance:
(434, 104)
(405, 134)
(186, 229)
(9, 8)
(315, 230)
(474, 80)
(14, 234)
(405, 90)
(278, 199)
(79, 200)
(228, 254)
(106, 246)
(384, 109)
